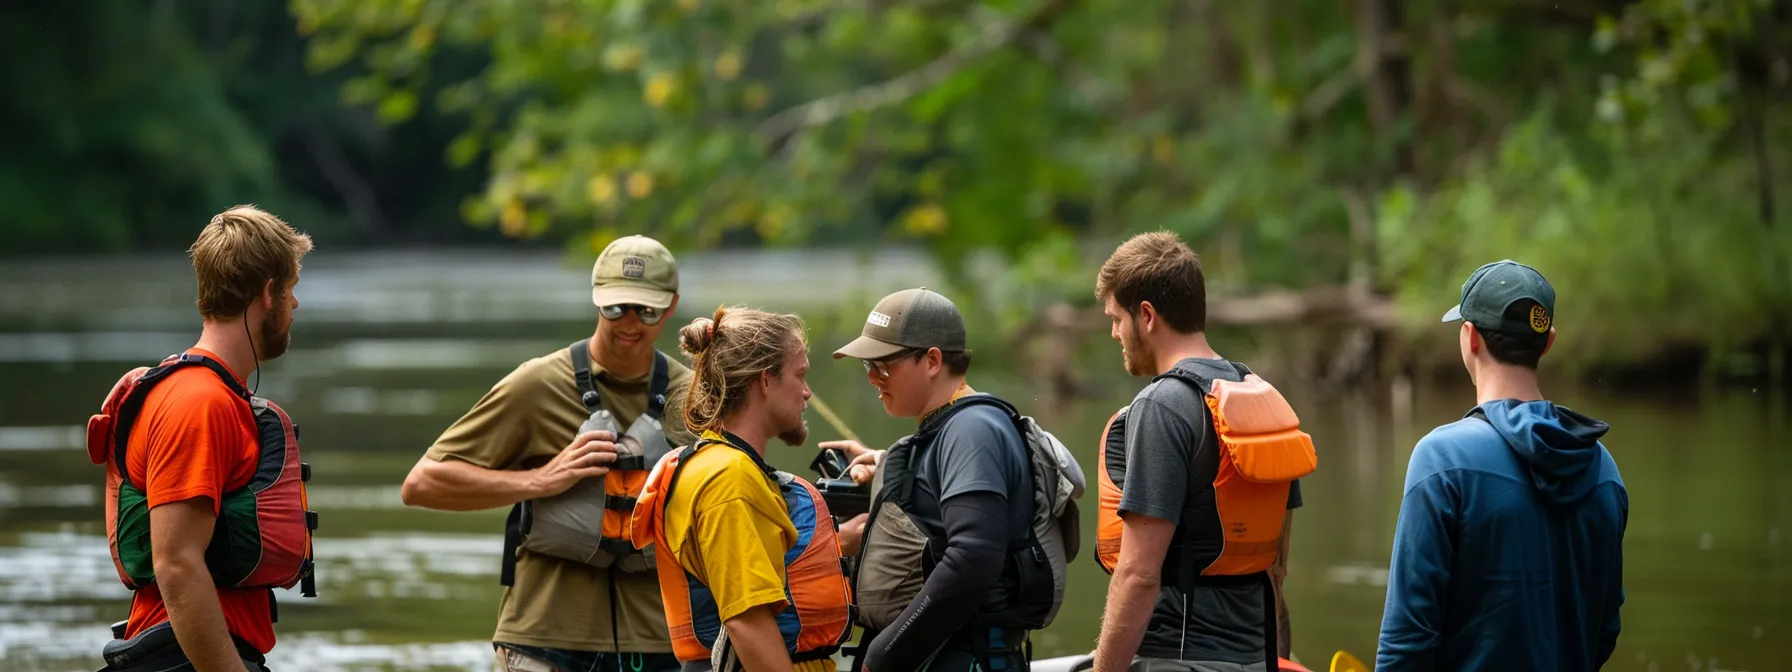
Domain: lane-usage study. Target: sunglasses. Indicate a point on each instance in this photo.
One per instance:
(649, 316)
(881, 366)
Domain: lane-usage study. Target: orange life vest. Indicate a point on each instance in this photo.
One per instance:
(1261, 451)
(818, 618)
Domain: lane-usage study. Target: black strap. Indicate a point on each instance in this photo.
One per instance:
(580, 351)
(513, 539)
(656, 393)
(619, 503)
(1272, 660)
(133, 404)
(632, 462)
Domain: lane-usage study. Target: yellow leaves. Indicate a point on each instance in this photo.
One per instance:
(727, 66)
(600, 239)
(772, 220)
(423, 36)
(1163, 148)
(622, 57)
(514, 219)
(660, 88)
(639, 184)
(924, 220)
(601, 189)
(756, 96)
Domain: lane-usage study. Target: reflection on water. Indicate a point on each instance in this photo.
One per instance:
(386, 355)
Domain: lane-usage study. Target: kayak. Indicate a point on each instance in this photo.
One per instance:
(1085, 662)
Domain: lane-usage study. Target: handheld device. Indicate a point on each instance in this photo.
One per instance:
(845, 498)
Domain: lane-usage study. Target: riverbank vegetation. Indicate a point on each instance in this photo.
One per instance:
(1341, 166)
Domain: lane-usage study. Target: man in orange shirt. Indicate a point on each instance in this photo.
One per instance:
(195, 440)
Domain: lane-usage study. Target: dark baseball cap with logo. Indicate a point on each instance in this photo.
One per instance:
(1507, 297)
(912, 318)
(634, 270)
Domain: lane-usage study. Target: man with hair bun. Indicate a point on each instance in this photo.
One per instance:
(749, 559)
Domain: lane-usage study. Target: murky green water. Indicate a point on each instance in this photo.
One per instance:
(389, 350)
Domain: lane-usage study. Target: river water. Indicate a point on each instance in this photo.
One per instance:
(388, 349)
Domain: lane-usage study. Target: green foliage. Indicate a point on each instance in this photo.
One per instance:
(1661, 248)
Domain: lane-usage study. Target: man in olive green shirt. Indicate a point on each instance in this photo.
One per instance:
(522, 442)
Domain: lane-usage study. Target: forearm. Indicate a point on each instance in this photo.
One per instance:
(757, 642)
(1130, 598)
(197, 616)
(976, 527)
(454, 485)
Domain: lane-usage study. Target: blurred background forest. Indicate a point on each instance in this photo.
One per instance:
(1341, 166)
(1337, 163)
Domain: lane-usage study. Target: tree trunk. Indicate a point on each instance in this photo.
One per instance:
(1388, 73)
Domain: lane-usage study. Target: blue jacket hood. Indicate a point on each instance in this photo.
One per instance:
(1560, 445)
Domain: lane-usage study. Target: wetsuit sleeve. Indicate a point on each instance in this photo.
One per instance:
(1419, 575)
(976, 527)
(1608, 635)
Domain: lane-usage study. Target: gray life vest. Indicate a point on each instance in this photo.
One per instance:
(589, 523)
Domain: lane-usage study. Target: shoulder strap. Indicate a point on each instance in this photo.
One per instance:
(580, 351)
(132, 406)
(656, 393)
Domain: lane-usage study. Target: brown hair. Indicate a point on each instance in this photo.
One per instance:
(728, 352)
(238, 253)
(1159, 268)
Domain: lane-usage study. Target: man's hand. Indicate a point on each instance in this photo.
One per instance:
(178, 535)
(862, 462)
(852, 533)
(588, 456)
(456, 485)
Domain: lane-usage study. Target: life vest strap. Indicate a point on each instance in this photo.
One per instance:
(618, 547)
(580, 352)
(619, 503)
(631, 462)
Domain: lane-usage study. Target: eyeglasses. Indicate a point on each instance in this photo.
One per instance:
(649, 316)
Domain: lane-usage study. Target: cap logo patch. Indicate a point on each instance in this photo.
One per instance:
(878, 319)
(634, 268)
(1539, 319)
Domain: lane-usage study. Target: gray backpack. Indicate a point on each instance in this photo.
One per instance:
(895, 549)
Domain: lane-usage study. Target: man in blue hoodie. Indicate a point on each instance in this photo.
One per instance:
(1508, 554)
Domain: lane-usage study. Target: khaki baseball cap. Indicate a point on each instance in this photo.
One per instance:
(634, 270)
(911, 318)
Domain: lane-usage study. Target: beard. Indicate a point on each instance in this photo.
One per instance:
(795, 435)
(276, 333)
(1135, 355)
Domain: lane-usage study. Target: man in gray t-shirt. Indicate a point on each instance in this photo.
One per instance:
(1153, 291)
(1170, 444)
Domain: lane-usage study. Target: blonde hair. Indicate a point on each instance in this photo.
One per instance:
(728, 352)
(238, 253)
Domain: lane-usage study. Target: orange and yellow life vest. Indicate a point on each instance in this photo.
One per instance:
(1232, 525)
(818, 617)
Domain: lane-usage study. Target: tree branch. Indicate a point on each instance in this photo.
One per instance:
(905, 86)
